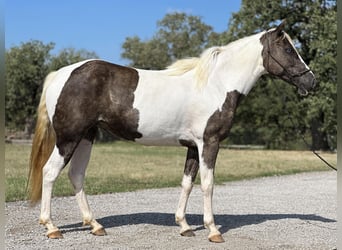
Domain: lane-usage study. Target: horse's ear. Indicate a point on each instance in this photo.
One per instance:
(279, 30)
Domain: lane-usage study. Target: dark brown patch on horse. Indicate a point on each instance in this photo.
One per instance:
(191, 163)
(218, 127)
(187, 143)
(281, 59)
(274, 59)
(96, 94)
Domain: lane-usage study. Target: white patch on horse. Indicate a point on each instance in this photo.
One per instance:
(173, 105)
(180, 214)
(163, 103)
(239, 65)
(51, 171)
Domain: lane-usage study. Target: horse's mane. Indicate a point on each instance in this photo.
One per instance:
(201, 65)
(204, 64)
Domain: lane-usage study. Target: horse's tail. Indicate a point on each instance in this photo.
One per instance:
(42, 146)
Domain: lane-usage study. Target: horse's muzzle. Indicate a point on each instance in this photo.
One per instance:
(306, 83)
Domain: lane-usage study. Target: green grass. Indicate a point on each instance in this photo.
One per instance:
(124, 166)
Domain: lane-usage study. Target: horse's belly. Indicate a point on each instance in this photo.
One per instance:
(158, 141)
(159, 131)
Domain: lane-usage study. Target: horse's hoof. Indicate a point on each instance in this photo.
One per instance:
(100, 232)
(188, 233)
(55, 235)
(217, 238)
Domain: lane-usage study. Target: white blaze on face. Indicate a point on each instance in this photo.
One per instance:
(294, 48)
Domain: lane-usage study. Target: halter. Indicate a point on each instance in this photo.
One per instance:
(291, 76)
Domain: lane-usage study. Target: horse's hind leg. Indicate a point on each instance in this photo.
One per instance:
(79, 162)
(51, 170)
(190, 172)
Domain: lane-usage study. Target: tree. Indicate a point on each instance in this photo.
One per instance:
(69, 56)
(323, 47)
(179, 35)
(26, 67)
(312, 25)
(151, 54)
(185, 35)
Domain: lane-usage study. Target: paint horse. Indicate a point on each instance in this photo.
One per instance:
(191, 103)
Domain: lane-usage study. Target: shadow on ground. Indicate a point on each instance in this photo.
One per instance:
(224, 222)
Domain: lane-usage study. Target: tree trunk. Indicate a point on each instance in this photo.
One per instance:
(319, 138)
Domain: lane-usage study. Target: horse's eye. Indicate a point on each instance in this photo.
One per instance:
(289, 50)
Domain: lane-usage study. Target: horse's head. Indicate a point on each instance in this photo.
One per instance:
(281, 59)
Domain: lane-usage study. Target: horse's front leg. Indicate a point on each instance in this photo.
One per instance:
(190, 172)
(207, 166)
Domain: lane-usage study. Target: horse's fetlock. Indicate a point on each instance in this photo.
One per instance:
(44, 221)
(179, 219)
(86, 222)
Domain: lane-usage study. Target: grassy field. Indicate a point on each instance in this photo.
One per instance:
(123, 166)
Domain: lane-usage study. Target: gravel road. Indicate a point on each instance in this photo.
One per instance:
(287, 212)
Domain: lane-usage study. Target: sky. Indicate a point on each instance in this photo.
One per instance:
(103, 25)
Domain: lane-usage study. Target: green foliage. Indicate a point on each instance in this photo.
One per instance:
(178, 36)
(323, 47)
(137, 52)
(26, 67)
(185, 35)
(69, 56)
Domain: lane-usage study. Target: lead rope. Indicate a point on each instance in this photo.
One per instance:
(310, 147)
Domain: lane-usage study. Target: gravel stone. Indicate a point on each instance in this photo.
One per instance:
(283, 212)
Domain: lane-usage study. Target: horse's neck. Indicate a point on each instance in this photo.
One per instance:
(240, 65)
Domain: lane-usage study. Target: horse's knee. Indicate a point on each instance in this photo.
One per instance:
(79, 162)
(75, 176)
(50, 175)
(51, 172)
(207, 187)
(76, 180)
(207, 181)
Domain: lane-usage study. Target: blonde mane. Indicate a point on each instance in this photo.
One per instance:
(202, 65)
